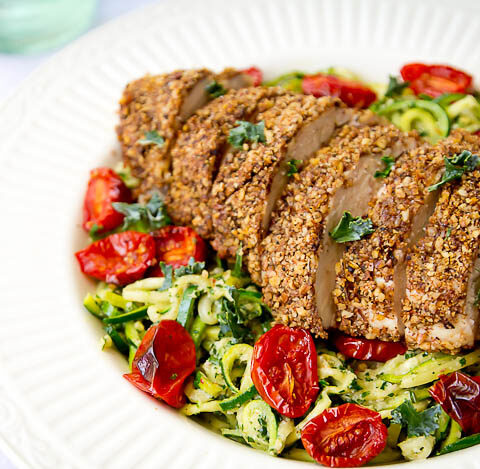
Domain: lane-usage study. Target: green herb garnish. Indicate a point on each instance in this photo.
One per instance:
(417, 423)
(389, 164)
(152, 138)
(355, 386)
(215, 89)
(192, 268)
(167, 270)
(456, 167)
(351, 229)
(246, 132)
(94, 232)
(292, 166)
(143, 218)
(395, 87)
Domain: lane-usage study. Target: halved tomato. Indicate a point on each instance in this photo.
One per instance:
(345, 436)
(175, 245)
(284, 370)
(435, 80)
(164, 360)
(353, 94)
(104, 187)
(120, 258)
(364, 349)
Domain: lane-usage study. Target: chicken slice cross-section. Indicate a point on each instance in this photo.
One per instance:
(161, 104)
(250, 181)
(371, 279)
(199, 151)
(440, 309)
(298, 255)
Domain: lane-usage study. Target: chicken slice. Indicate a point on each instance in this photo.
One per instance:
(298, 255)
(250, 181)
(440, 310)
(162, 103)
(199, 150)
(371, 278)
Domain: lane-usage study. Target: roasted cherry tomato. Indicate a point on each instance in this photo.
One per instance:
(175, 245)
(363, 349)
(345, 436)
(459, 396)
(284, 370)
(165, 359)
(120, 258)
(104, 187)
(435, 80)
(256, 74)
(351, 93)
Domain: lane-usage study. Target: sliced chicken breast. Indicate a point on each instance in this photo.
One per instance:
(371, 278)
(157, 103)
(163, 103)
(298, 255)
(440, 310)
(295, 128)
(200, 148)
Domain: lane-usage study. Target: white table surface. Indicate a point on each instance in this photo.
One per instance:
(14, 68)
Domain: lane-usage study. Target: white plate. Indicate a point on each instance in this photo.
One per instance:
(63, 402)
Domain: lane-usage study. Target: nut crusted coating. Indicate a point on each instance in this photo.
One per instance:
(154, 103)
(238, 215)
(439, 310)
(290, 252)
(199, 150)
(371, 277)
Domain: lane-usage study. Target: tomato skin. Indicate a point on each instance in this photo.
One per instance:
(256, 74)
(164, 360)
(175, 245)
(104, 187)
(435, 80)
(284, 370)
(120, 258)
(364, 349)
(351, 93)
(345, 436)
(459, 396)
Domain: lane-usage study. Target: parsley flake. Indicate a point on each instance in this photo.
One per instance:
(355, 386)
(456, 167)
(389, 164)
(292, 167)
(143, 218)
(246, 132)
(418, 423)
(168, 274)
(215, 89)
(351, 229)
(192, 268)
(395, 87)
(152, 138)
